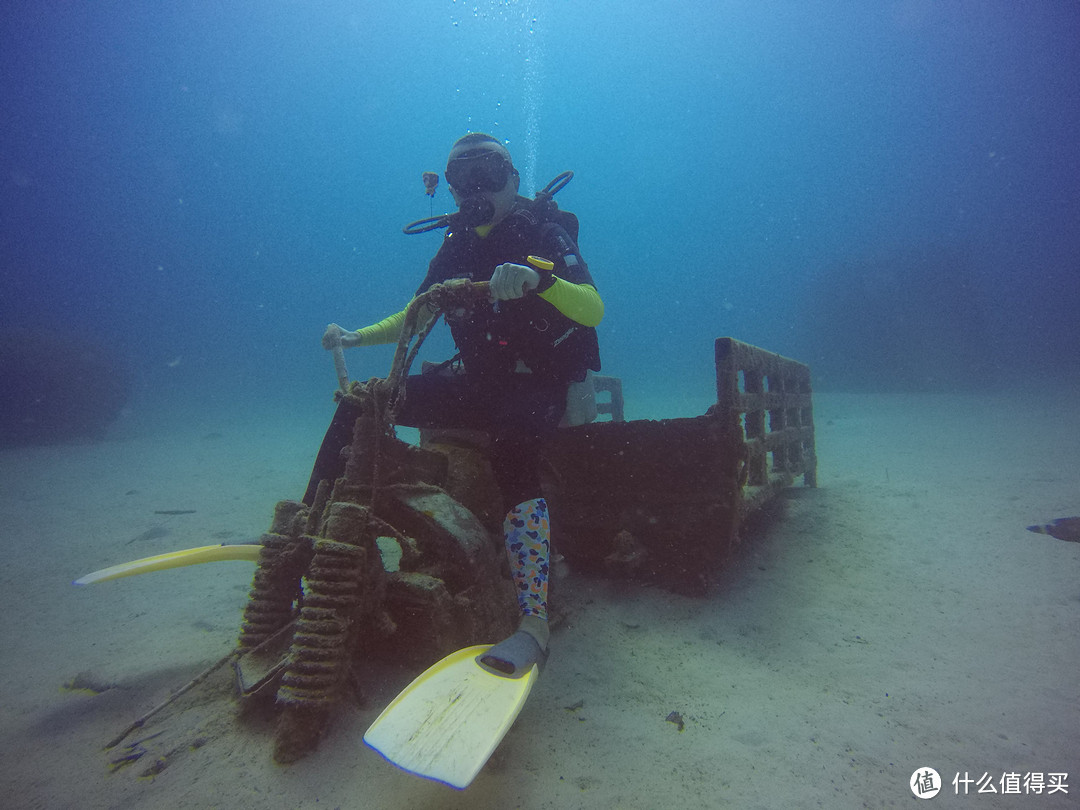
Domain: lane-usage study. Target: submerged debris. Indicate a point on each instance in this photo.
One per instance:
(399, 559)
(676, 719)
(627, 557)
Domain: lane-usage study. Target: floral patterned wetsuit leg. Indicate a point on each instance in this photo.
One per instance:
(527, 535)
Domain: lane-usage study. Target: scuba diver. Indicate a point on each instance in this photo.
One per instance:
(518, 353)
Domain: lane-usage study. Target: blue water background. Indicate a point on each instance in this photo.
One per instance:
(887, 191)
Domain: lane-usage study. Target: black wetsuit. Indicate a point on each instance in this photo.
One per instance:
(497, 343)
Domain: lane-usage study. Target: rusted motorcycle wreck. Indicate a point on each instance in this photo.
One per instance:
(401, 559)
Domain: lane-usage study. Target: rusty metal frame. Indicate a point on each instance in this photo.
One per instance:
(766, 403)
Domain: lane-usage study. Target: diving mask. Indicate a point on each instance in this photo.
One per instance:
(477, 171)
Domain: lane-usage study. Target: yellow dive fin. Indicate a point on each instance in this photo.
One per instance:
(447, 722)
(174, 559)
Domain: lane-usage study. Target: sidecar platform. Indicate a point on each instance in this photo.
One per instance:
(664, 500)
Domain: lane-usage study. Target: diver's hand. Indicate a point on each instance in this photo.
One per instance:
(512, 281)
(336, 336)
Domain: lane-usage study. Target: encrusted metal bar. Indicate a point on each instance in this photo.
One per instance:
(276, 583)
(321, 646)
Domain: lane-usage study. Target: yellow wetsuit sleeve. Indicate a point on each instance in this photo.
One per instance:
(388, 330)
(578, 302)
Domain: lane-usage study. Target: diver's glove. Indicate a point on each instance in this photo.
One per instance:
(511, 281)
(336, 336)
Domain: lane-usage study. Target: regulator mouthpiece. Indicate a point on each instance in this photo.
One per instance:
(474, 212)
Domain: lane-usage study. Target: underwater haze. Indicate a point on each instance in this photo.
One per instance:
(886, 191)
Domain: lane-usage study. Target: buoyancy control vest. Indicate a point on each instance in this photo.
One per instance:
(500, 338)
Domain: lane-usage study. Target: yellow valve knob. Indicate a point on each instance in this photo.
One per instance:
(541, 264)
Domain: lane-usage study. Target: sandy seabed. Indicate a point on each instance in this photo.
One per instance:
(897, 617)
